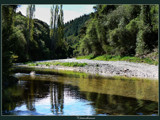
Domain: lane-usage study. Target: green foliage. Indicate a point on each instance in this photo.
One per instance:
(17, 39)
(154, 17)
(30, 26)
(8, 37)
(94, 38)
(73, 30)
(140, 49)
(58, 45)
(147, 60)
(121, 30)
(69, 64)
(73, 64)
(73, 27)
(147, 38)
(39, 46)
(91, 56)
(103, 57)
(85, 47)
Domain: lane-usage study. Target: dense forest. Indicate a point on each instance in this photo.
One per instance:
(116, 30)
(71, 33)
(25, 38)
(125, 30)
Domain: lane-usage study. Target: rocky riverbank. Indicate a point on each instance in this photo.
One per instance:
(108, 68)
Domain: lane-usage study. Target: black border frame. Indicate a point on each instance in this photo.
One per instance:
(76, 2)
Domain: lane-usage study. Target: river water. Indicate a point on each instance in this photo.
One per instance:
(68, 93)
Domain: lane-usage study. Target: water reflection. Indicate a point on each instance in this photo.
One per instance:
(57, 98)
(59, 95)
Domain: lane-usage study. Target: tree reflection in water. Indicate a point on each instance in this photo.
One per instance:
(57, 98)
(30, 92)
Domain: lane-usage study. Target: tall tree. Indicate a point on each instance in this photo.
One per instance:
(58, 46)
(52, 26)
(145, 31)
(30, 25)
(8, 13)
(8, 17)
(60, 26)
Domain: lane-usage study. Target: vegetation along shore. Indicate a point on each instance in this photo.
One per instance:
(105, 68)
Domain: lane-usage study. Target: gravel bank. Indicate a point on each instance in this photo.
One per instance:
(111, 68)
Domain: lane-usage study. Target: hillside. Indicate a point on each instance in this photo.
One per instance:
(121, 30)
(73, 27)
(71, 32)
(39, 45)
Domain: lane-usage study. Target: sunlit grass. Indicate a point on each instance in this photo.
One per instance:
(91, 56)
(119, 58)
(69, 64)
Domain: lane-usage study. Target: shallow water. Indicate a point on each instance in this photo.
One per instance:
(79, 94)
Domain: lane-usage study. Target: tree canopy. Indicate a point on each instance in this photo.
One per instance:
(125, 30)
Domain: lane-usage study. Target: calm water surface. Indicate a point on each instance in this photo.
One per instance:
(79, 94)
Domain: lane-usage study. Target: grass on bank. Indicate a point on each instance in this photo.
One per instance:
(69, 64)
(119, 58)
(75, 74)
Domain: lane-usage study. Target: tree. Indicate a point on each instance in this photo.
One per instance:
(30, 25)
(147, 38)
(124, 30)
(8, 13)
(52, 26)
(58, 44)
(39, 46)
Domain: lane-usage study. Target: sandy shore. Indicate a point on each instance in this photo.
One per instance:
(109, 68)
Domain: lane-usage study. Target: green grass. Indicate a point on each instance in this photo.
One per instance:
(91, 56)
(69, 64)
(119, 58)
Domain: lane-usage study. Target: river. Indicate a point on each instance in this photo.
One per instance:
(72, 93)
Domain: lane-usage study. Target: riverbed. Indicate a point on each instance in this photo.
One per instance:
(106, 68)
